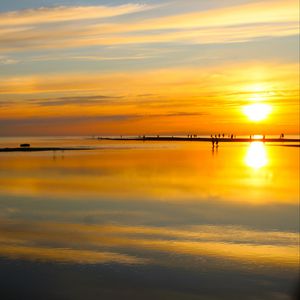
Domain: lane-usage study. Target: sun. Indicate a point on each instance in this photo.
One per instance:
(257, 111)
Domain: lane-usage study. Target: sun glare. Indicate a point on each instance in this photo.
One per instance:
(256, 156)
(257, 97)
(257, 112)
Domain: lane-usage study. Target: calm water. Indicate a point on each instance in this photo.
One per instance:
(152, 220)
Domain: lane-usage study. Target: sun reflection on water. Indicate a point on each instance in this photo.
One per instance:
(256, 156)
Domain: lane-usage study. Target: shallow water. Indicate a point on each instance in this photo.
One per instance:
(144, 220)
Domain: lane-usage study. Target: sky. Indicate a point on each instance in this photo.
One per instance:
(149, 67)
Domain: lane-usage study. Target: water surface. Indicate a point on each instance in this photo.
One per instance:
(145, 220)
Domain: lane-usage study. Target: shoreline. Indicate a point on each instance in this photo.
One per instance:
(158, 139)
(39, 149)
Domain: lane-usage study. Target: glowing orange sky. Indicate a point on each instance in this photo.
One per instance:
(149, 68)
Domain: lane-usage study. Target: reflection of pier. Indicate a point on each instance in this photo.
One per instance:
(201, 139)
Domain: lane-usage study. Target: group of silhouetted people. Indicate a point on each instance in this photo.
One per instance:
(216, 138)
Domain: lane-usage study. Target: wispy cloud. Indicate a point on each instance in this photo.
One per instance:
(66, 13)
(69, 120)
(262, 12)
(75, 100)
(239, 23)
(5, 60)
(224, 78)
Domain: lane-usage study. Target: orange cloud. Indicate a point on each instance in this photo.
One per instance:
(174, 92)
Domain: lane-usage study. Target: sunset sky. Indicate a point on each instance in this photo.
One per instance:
(99, 67)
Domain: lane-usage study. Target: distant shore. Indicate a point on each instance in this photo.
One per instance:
(38, 149)
(282, 141)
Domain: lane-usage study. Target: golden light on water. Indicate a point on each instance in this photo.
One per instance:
(257, 112)
(256, 156)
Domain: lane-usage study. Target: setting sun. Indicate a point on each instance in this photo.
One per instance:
(257, 112)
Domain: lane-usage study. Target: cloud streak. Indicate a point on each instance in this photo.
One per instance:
(224, 78)
(64, 14)
(75, 100)
(241, 23)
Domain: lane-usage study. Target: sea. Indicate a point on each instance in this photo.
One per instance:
(149, 220)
